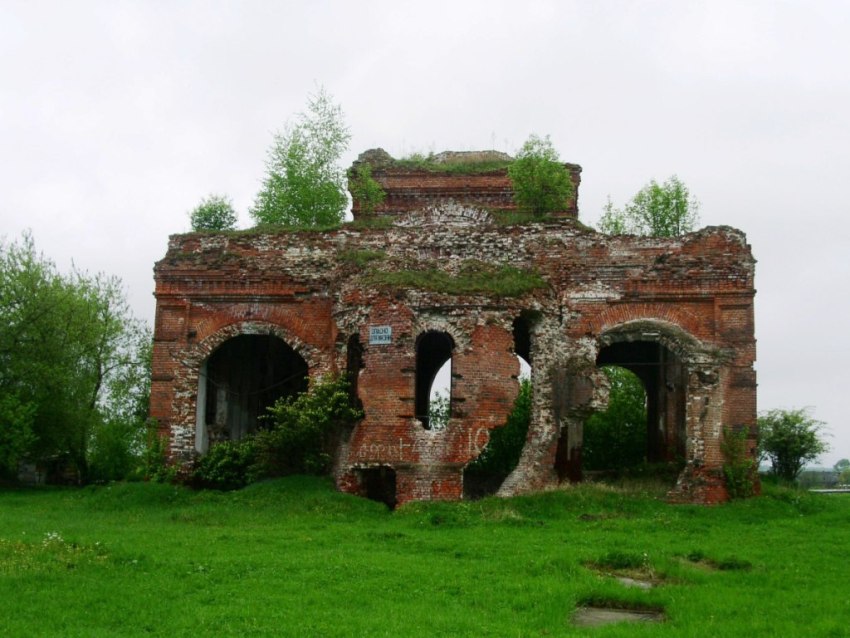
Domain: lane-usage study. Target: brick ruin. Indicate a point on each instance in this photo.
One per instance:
(246, 317)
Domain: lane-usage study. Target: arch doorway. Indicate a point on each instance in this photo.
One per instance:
(242, 378)
(660, 438)
(434, 351)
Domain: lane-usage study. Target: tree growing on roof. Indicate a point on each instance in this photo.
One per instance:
(304, 184)
(657, 210)
(215, 212)
(541, 184)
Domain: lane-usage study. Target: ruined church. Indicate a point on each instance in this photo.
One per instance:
(446, 274)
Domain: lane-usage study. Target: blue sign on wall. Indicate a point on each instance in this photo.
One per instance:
(380, 335)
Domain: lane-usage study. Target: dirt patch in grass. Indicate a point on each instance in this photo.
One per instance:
(595, 612)
(629, 569)
(638, 583)
(728, 564)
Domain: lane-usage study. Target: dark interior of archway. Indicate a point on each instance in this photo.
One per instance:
(664, 379)
(246, 375)
(522, 338)
(378, 484)
(354, 363)
(433, 349)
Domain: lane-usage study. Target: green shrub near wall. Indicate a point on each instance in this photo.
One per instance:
(300, 436)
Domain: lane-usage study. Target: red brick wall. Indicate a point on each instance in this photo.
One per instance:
(413, 189)
(695, 292)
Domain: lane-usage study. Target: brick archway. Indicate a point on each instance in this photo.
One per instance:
(190, 391)
(666, 333)
(203, 349)
(659, 354)
(689, 393)
(679, 326)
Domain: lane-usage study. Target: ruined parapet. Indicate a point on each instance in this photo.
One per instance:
(471, 178)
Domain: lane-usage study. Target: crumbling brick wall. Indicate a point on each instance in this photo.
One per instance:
(410, 186)
(687, 301)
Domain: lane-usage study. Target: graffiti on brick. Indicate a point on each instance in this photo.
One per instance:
(434, 448)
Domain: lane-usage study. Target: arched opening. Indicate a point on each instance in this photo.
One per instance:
(239, 381)
(522, 338)
(433, 355)
(354, 364)
(626, 436)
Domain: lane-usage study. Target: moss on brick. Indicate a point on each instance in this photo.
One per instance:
(361, 257)
(430, 163)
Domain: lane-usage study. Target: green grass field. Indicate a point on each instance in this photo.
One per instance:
(294, 558)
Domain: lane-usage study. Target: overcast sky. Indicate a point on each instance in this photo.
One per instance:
(117, 117)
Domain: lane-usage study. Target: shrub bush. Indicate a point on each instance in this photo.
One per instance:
(790, 439)
(215, 212)
(738, 467)
(227, 465)
(304, 431)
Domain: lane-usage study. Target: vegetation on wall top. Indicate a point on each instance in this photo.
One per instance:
(474, 277)
(656, 210)
(215, 212)
(434, 163)
(364, 190)
(541, 183)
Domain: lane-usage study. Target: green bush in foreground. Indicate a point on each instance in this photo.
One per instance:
(228, 465)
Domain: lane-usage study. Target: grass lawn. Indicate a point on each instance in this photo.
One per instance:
(294, 558)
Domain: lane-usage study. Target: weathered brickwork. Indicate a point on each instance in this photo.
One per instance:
(410, 188)
(677, 311)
